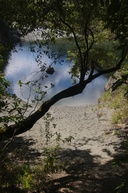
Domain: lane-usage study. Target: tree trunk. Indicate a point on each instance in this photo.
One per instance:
(27, 124)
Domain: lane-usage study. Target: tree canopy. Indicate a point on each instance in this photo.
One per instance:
(97, 28)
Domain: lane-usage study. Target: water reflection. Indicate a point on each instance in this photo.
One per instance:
(25, 65)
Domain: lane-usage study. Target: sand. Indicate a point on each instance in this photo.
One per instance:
(90, 127)
(88, 162)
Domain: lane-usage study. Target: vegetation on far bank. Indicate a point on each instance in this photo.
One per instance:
(116, 97)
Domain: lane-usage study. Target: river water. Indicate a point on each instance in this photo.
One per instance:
(27, 62)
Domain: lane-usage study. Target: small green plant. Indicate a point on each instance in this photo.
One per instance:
(122, 188)
(105, 98)
(50, 162)
(118, 102)
(23, 174)
(25, 177)
(119, 116)
(48, 134)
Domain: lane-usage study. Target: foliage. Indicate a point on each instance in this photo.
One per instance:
(98, 30)
(122, 187)
(4, 84)
(117, 101)
(86, 24)
(21, 177)
(50, 152)
(117, 19)
(25, 175)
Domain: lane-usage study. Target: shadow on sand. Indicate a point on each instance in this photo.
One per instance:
(84, 173)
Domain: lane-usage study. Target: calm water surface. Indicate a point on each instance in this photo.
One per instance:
(25, 64)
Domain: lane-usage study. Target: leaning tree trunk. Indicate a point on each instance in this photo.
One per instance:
(27, 124)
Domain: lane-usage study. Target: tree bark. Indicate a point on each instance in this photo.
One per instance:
(27, 124)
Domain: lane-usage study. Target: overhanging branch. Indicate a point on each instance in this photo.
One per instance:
(27, 124)
(107, 71)
(75, 38)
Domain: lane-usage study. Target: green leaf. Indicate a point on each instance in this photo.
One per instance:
(20, 83)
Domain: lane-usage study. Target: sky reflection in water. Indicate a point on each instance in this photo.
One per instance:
(22, 66)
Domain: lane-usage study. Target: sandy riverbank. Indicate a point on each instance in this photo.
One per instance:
(90, 127)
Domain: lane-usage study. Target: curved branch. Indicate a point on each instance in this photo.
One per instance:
(75, 37)
(91, 33)
(78, 47)
(27, 124)
(86, 54)
(107, 71)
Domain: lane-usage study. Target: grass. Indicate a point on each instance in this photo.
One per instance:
(117, 101)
